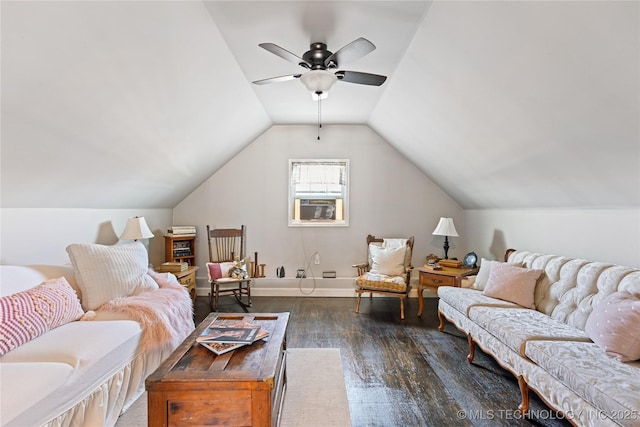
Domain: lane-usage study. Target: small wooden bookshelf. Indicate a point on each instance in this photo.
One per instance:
(180, 248)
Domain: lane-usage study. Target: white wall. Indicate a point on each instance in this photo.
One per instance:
(40, 236)
(389, 197)
(607, 235)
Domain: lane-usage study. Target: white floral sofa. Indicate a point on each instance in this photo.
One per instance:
(577, 345)
(77, 343)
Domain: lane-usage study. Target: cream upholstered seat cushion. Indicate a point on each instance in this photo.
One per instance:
(463, 299)
(515, 327)
(49, 376)
(107, 272)
(607, 384)
(94, 350)
(381, 282)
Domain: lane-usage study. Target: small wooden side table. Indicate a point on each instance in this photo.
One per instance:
(188, 279)
(433, 279)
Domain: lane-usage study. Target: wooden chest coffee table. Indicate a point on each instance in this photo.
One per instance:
(244, 387)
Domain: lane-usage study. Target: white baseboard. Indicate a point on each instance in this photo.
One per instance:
(308, 287)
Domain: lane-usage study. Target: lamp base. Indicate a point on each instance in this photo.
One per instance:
(446, 247)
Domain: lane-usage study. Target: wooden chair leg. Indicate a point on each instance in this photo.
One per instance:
(212, 297)
(524, 392)
(401, 308)
(441, 319)
(472, 348)
(358, 301)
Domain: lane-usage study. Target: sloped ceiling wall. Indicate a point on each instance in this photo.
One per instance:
(522, 104)
(117, 104)
(503, 104)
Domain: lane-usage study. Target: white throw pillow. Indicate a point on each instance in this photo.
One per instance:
(107, 272)
(394, 243)
(483, 274)
(387, 261)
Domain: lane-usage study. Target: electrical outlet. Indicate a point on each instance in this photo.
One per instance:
(316, 260)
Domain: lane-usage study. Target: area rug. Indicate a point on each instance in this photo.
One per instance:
(316, 395)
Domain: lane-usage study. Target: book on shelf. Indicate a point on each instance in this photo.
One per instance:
(177, 253)
(182, 229)
(180, 235)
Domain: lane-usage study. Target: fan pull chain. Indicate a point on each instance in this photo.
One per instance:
(319, 113)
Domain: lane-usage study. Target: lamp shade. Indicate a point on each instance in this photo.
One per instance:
(318, 82)
(136, 229)
(445, 228)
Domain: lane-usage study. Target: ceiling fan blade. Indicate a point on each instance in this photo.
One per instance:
(354, 50)
(277, 79)
(285, 54)
(361, 78)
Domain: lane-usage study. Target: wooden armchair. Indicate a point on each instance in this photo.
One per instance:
(387, 270)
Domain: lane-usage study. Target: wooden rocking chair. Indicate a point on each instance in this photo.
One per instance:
(229, 248)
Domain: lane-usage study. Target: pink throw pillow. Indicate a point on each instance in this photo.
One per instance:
(613, 325)
(513, 284)
(28, 314)
(218, 270)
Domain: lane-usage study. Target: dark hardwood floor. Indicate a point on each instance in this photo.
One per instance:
(402, 372)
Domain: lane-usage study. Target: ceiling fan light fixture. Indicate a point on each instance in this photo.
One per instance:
(317, 96)
(318, 82)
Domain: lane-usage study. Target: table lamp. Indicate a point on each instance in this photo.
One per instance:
(446, 228)
(136, 229)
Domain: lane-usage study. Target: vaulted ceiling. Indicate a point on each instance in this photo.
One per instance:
(520, 104)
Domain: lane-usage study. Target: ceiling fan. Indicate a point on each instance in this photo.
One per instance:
(321, 62)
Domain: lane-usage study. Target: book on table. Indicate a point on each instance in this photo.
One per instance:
(220, 348)
(229, 334)
(223, 338)
(172, 267)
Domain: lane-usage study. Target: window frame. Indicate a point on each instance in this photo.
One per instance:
(294, 213)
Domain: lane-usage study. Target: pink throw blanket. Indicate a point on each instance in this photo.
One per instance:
(165, 314)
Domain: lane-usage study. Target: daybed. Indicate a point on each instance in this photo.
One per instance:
(576, 344)
(65, 363)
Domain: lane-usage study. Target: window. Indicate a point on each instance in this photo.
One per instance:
(318, 192)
